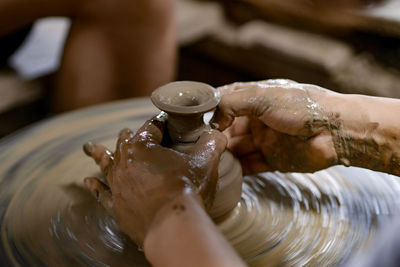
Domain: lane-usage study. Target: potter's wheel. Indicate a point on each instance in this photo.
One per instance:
(47, 217)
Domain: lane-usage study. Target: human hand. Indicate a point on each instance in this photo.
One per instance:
(143, 176)
(278, 125)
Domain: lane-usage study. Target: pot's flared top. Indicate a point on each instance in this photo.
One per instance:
(185, 97)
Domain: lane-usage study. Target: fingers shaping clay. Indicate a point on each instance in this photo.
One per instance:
(186, 102)
(48, 217)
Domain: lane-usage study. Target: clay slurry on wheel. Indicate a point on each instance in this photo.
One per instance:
(282, 219)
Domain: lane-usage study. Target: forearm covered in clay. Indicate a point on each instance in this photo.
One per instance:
(366, 132)
(182, 234)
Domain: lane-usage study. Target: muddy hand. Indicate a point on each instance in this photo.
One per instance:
(142, 175)
(277, 125)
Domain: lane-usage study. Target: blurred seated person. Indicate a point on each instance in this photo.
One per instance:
(115, 49)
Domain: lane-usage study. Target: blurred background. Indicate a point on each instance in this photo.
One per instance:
(346, 46)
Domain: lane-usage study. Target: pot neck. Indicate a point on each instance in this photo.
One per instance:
(185, 129)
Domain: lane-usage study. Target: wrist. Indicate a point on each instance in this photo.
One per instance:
(339, 109)
(174, 207)
(167, 219)
(186, 236)
(342, 134)
(366, 135)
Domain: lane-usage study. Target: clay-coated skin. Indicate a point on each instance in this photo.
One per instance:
(276, 125)
(142, 175)
(292, 127)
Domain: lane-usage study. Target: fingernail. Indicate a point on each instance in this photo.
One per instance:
(88, 148)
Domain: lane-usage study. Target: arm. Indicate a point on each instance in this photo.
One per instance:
(368, 132)
(182, 234)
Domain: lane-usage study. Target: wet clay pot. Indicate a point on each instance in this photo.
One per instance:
(186, 103)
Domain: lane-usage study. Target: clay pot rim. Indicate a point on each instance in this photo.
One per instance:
(210, 104)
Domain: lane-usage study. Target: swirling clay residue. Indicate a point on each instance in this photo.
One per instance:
(49, 218)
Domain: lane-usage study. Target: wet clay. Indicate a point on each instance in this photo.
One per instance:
(186, 103)
(50, 219)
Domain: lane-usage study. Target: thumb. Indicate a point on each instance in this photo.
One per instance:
(207, 153)
(152, 130)
(210, 145)
(245, 99)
